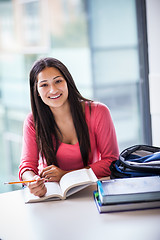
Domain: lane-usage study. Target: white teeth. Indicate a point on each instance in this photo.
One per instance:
(55, 96)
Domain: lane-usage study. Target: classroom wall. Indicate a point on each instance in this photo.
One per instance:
(153, 28)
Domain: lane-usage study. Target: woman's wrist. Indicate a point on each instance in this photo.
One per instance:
(28, 175)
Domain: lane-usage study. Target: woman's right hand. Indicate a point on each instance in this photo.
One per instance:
(38, 187)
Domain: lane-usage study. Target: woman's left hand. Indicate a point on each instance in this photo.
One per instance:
(52, 173)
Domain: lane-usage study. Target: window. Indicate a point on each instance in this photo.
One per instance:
(98, 40)
(119, 63)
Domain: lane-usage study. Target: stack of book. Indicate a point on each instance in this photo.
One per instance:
(126, 194)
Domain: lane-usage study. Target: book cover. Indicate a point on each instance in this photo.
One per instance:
(121, 207)
(129, 189)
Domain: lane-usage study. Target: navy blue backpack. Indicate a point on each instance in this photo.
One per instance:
(137, 161)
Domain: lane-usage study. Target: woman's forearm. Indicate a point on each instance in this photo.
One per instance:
(27, 175)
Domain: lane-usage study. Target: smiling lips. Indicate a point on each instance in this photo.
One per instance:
(55, 97)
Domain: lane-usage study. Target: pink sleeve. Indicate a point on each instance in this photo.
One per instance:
(30, 154)
(106, 141)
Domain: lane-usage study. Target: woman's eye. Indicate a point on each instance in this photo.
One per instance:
(58, 81)
(44, 85)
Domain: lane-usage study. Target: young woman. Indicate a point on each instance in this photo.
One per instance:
(65, 131)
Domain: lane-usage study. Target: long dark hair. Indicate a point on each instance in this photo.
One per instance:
(45, 124)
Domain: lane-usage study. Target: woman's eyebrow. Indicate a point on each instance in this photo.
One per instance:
(42, 81)
(56, 77)
(45, 80)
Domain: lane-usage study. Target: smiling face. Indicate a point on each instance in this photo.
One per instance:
(52, 88)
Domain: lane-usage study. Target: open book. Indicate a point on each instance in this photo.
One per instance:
(69, 184)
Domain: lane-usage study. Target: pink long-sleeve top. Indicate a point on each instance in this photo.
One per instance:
(104, 147)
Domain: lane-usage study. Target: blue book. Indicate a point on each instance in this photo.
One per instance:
(129, 189)
(121, 207)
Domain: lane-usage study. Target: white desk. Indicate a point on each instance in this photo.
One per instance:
(76, 218)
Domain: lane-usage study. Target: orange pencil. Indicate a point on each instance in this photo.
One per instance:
(29, 181)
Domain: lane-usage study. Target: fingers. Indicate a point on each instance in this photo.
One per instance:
(52, 173)
(38, 188)
(48, 172)
(53, 179)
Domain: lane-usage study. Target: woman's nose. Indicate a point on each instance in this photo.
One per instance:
(53, 89)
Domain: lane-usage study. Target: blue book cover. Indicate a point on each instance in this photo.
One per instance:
(121, 207)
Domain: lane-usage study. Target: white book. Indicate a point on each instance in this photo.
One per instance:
(129, 189)
(69, 184)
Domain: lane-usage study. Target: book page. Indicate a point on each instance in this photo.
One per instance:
(53, 190)
(75, 189)
(77, 178)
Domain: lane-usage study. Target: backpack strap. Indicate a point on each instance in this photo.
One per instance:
(138, 154)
